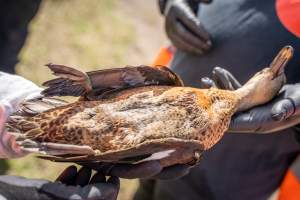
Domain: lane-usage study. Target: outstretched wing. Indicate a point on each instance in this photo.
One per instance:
(96, 84)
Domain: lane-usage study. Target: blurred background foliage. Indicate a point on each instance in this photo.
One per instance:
(88, 35)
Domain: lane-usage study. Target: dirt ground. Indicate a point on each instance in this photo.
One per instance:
(89, 36)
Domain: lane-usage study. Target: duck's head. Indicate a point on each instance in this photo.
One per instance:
(265, 84)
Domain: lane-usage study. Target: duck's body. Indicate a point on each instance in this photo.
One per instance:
(169, 123)
(136, 117)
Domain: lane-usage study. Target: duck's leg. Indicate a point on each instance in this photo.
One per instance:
(72, 82)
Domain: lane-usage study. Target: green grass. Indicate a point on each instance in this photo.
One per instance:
(33, 167)
(74, 33)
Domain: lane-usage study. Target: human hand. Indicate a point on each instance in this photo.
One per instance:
(149, 169)
(69, 185)
(183, 27)
(13, 90)
(8, 146)
(281, 113)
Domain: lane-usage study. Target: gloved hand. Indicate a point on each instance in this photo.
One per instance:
(183, 27)
(149, 169)
(69, 185)
(281, 113)
(13, 90)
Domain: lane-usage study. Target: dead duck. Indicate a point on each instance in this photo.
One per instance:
(136, 114)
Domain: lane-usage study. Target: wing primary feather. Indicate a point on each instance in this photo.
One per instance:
(91, 85)
(70, 82)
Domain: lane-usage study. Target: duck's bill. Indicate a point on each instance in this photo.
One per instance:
(280, 61)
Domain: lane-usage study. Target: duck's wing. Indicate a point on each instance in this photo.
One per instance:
(95, 84)
(33, 107)
(70, 82)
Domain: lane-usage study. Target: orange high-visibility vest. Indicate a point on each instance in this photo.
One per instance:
(288, 12)
(164, 56)
(290, 187)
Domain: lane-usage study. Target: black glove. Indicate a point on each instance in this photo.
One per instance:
(183, 27)
(69, 185)
(281, 113)
(150, 169)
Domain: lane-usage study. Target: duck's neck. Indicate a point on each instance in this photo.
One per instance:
(249, 95)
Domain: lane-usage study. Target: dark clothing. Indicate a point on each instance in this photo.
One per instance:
(14, 20)
(246, 36)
